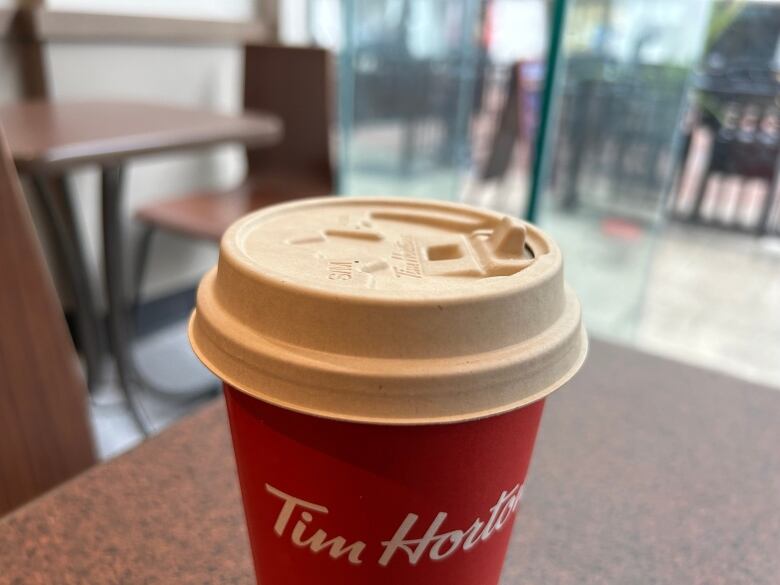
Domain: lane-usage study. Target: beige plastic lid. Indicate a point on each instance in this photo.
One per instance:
(391, 311)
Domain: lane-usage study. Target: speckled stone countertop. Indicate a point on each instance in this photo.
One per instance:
(646, 471)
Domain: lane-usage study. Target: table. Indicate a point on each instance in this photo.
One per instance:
(646, 471)
(47, 139)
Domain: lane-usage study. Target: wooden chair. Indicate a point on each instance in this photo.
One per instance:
(517, 119)
(45, 436)
(293, 83)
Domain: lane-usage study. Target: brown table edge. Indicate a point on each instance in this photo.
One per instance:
(143, 145)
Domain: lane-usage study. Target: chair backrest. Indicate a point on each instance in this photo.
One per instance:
(45, 436)
(505, 136)
(294, 83)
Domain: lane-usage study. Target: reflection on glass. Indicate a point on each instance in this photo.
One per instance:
(407, 89)
(662, 169)
(660, 163)
(618, 100)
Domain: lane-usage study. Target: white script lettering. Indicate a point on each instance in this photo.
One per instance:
(317, 542)
(440, 546)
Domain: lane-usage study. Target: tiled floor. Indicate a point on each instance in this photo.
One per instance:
(706, 297)
(714, 299)
(702, 296)
(166, 358)
(606, 267)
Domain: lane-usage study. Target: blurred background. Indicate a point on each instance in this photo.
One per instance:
(643, 136)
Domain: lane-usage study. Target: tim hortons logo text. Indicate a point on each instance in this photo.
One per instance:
(297, 521)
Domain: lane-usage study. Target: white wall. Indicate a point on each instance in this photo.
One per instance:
(293, 22)
(204, 77)
(210, 9)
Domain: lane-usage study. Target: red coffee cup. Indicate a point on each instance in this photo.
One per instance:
(385, 365)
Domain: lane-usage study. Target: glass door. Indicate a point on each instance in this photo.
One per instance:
(611, 152)
(406, 91)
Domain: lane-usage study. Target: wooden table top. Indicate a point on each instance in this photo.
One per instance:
(646, 471)
(46, 135)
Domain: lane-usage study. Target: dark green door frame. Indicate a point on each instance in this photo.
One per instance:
(539, 170)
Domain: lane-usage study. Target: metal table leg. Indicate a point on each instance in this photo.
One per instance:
(111, 194)
(119, 329)
(141, 261)
(59, 214)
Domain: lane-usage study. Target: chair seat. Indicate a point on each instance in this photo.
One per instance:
(207, 214)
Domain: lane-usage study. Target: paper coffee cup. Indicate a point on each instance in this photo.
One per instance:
(385, 365)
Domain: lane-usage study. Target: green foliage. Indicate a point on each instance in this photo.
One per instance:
(723, 15)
